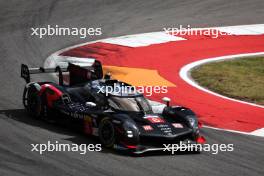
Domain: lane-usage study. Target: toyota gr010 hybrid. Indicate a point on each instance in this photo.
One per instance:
(124, 121)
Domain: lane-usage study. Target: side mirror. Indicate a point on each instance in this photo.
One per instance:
(90, 104)
(166, 100)
(107, 75)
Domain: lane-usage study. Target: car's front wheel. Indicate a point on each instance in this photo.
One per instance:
(107, 133)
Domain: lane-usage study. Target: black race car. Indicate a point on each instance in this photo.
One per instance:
(124, 120)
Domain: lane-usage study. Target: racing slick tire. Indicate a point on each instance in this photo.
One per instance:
(107, 133)
(32, 102)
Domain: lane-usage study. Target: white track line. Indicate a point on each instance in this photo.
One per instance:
(185, 74)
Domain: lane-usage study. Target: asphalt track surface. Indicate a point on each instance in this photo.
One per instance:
(18, 130)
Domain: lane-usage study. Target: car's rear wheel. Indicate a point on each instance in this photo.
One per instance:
(107, 133)
(34, 105)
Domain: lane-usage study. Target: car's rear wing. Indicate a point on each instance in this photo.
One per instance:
(26, 71)
(77, 73)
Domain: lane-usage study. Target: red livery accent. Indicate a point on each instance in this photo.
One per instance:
(201, 140)
(88, 129)
(128, 146)
(200, 125)
(52, 93)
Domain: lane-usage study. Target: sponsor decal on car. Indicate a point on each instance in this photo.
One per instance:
(164, 128)
(147, 128)
(177, 125)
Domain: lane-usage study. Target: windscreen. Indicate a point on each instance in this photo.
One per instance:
(135, 104)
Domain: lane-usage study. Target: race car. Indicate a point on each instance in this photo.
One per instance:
(123, 120)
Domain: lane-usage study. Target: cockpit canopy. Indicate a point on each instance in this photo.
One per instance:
(133, 104)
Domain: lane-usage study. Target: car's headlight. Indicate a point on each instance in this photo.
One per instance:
(193, 121)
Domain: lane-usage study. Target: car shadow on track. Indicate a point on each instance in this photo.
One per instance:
(77, 137)
(21, 116)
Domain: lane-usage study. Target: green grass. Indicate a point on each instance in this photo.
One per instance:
(240, 78)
